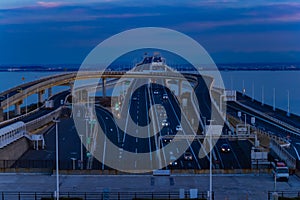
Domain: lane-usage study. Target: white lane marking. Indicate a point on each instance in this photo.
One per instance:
(136, 140)
(147, 114)
(103, 157)
(136, 150)
(134, 164)
(177, 150)
(297, 153)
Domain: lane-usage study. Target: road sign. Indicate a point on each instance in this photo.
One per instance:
(239, 113)
(252, 120)
(117, 107)
(88, 140)
(230, 95)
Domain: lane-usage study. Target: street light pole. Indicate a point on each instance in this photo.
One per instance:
(243, 89)
(252, 91)
(288, 106)
(57, 168)
(26, 102)
(7, 107)
(274, 92)
(262, 95)
(210, 162)
(210, 168)
(81, 151)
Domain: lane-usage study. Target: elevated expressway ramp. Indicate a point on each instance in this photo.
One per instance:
(15, 96)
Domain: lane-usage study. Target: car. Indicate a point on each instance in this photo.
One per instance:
(165, 96)
(167, 140)
(187, 156)
(178, 128)
(155, 92)
(165, 123)
(173, 161)
(134, 98)
(280, 170)
(225, 148)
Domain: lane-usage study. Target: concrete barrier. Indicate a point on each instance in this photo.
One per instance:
(283, 154)
(14, 151)
(42, 121)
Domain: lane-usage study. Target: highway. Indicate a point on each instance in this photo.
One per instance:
(138, 108)
(279, 114)
(266, 125)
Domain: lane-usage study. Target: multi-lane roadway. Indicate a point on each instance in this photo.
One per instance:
(152, 106)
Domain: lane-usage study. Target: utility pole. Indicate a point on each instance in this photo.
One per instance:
(210, 161)
(7, 107)
(57, 167)
(274, 107)
(262, 95)
(288, 97)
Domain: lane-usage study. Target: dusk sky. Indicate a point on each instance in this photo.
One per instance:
(57, 32)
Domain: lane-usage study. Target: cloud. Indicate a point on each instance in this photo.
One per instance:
(49, 4)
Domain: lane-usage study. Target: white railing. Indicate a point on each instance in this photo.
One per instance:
(10, 139)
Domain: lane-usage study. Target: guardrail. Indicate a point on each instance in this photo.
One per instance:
(283, 154)
(283, 124)
(278, 149)
(271, 136)
(39, 122)
(105, 194)
(18, 118)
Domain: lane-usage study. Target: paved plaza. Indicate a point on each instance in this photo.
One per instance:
(225, 186)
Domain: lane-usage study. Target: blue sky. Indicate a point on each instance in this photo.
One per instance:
(52, 32)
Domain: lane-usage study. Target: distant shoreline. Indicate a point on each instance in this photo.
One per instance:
(179, 67)
(74, 70)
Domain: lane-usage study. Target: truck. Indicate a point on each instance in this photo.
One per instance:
(280, 170)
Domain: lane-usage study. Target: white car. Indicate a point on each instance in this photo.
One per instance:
(188, 156)
(172, 159)
(178, 128)
(165, 96)
(165, 123)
